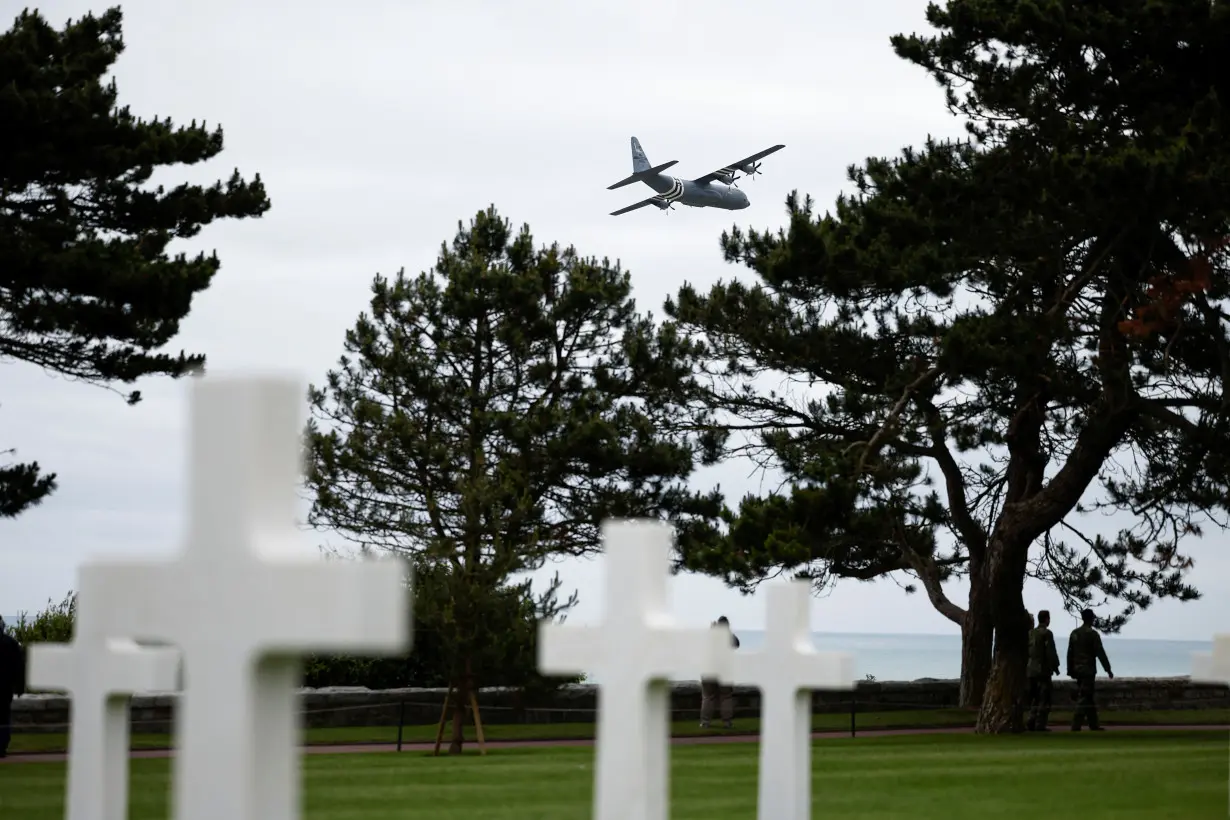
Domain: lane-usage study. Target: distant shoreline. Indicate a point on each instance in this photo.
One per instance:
(1204, 643)
(955, 634)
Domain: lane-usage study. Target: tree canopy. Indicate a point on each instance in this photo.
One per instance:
(88, 288)
(990, 339)
(488, 414)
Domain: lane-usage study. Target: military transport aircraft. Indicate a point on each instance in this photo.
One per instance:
(715, 190)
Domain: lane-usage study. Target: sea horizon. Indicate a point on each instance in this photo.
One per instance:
(917, 656)
(905, 657)
(908, 657)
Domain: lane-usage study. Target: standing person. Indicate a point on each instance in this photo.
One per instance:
(712, 691)
(12, 682)
(1084, 653)
(1043, 663)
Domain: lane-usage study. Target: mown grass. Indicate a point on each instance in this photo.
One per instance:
(934, 718)
(1121, 775)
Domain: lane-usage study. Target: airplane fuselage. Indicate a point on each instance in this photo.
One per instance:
(712, 190)
(686, 192)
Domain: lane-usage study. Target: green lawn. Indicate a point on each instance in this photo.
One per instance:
(567, 731)
(1120, 775)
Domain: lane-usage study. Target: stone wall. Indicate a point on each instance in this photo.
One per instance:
(577, 704)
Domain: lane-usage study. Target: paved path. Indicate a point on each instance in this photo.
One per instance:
(703, 740)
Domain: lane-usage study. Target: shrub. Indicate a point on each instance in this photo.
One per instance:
(53, 625)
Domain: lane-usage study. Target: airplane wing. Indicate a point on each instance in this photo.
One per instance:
(744, 165)
(653, 200)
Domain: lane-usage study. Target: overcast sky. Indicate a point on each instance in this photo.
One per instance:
(377, 128)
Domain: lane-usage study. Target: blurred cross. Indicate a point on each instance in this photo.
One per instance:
(786, 669)
(634, 653)
(244, 602)
(100, 674)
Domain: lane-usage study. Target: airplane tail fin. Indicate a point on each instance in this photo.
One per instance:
(640, 162)
(641, 168)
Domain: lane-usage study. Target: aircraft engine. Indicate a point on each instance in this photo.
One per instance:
(751, 168)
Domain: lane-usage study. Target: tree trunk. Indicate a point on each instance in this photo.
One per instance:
(975, 622)
(1003, 703)
(977, 632)
(461, 701)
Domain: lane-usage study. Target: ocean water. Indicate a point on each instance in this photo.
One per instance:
(909, 657)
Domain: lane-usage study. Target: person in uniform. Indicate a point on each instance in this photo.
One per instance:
(1043, 663)
(1084, 653)
(12, 682)
(713, 693)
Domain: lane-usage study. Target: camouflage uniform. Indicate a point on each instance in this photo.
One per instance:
(713, 691)
(1084, 653)
(1043, 663)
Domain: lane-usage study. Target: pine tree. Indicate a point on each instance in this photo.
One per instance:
(488, 415)
(1034, 319)
(87, 287)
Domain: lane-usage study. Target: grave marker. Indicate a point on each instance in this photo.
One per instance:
(786, 669)
(1213, 667)
(635, 653)
(100, 675)
(243, 601)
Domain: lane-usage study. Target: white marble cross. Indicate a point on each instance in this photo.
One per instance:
(635, 653)
(786, 668)
(1213, 667)
(100, 675)
(243, 601)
